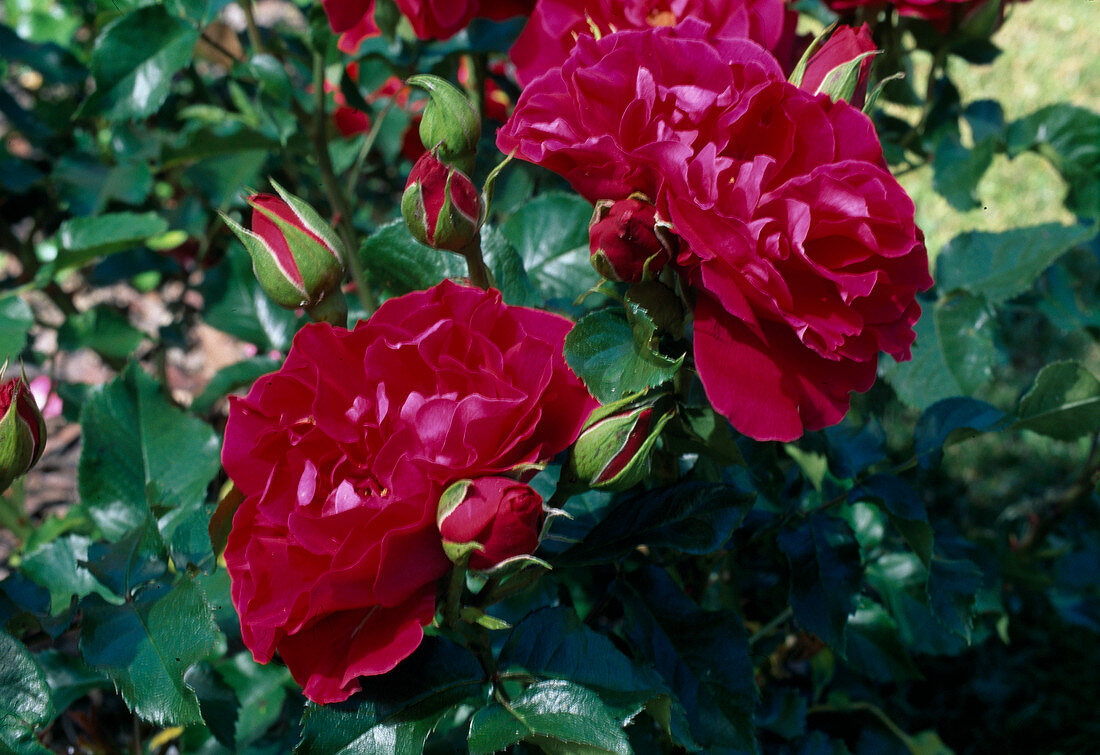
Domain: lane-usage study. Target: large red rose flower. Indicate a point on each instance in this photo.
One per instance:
(800, 248)
(342, 456)
(549, 36)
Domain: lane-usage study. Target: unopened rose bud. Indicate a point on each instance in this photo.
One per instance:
(624, 241)
(612, 452)
(450, 123)
(492, 519)
(441, 206)
(296, 256)
(840, 67)
(22, 430)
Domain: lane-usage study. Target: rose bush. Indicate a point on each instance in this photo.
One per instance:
(342, 456)
(800, 246)
(430, 19)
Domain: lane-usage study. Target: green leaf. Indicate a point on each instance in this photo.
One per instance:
(1069, 137)
(571, 717)
(25, 702)
(1001, 265)
(104, 330)
(69, 678)
(954, 353)
(146, 645)
(235, 304)
(825, 574)
(399, 263)
(901, 580)
(134, 60)
(141, 454)
(615, 357)
(61, 566)
(952, 587)
(905, 508)
(395, 712)
(952, 421)
(218, 702)
(551, 235)
(16, 320)
(957, 170)
(553, 642)
(261, 691)
(83, 239)
(694, 518)
(509, 273)
(1064, 402)
(702, 655)
(228, 379)
(873, 645)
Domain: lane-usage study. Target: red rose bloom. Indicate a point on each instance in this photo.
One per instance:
(500, 514)
(555, 25)
(800, 247)
(342, 456)
(943, 14)
(430, 19)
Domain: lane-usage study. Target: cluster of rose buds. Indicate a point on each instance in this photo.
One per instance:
(22, 430)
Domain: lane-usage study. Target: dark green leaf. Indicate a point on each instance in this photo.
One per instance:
(102, 329)
(616, 358)
(572, 718)
(1068, 136)
(231, 378)
(692, 518)
(553, 642)
(260, 690)
(1064, 403)
(551, 235)
(901, 581)
(950, 421)
(954, 353)
(83, 239)
(236, 304)
(16, 320)
(1001, 265)
(905, 508)
(782, 712)
(218, 703)
(873, 645)
(134, 60)
(24, 697)
(825, 574)
(957, 171)
(69, 678)
(61, 566)
(702, 655)
(146, 645)
(129, 563)
(399, 263)
(141, 455)
(397, 710)
(508, 270)
(952, 587)
(55, 63)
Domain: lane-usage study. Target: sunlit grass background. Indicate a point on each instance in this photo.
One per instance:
(1050, 55)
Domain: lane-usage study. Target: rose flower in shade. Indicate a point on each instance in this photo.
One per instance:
(797, 245)
(555, 25)
(491, 518)
(343, 454)
(430, 19)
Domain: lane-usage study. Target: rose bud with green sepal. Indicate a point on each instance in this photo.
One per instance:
(22, 430)
(450, 123)
(492, 519)
(297, 258)
(613, 450)
(625, 242)
(441, 206)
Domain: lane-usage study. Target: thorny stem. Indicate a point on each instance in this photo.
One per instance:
(479, 272)
(361, 160)
(455, 587)
(253, 30)
(479, 72)
(337, 198)
(782, 618)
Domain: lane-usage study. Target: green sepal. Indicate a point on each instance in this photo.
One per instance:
(454, 229)
(16, 446)
(415, 214)
(321, 268)
(799, 71)
(450, 122)
(312, 220)
(460, 552)
(454, 495)
(274, 281)
(841, 82)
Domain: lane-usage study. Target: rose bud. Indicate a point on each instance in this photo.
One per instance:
(22, 430)
(450, 124)
(624, 242)
(350, 122)
(840, 67)
(296, 256)
(612, 452)
(441, 205)
(492, 519)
